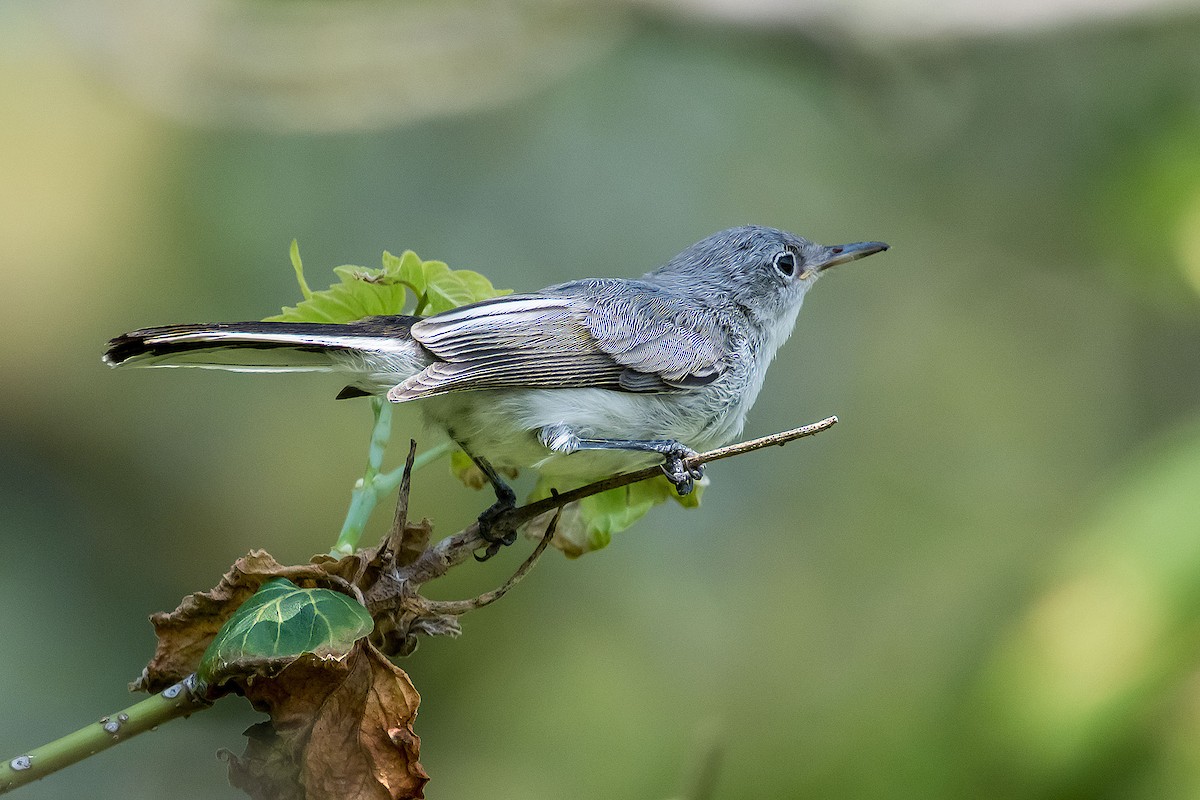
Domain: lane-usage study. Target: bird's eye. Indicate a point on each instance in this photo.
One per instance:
(785, 262)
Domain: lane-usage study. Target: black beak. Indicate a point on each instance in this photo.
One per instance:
(841, 253)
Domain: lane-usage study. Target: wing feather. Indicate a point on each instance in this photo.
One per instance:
(585, 334)
(653, 332)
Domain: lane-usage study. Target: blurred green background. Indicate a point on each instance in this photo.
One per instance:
(985, 582)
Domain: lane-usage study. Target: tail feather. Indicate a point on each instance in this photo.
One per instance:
(374, 348)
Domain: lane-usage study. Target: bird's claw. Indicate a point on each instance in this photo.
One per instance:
(679, 472)
(495, 529)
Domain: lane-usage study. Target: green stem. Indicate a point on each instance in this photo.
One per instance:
(180, 700)
(380, 435)
(364, 497)
(388, 482)
(375, 485)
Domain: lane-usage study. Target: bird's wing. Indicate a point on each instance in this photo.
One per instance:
(655, 334)
(587, 334)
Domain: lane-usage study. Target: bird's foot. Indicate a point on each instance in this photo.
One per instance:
(677, 470)
(495, 529)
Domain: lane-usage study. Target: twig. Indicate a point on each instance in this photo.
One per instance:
(773, 440)
(388, 481)
(400, 519)
(393, 543)
(527, 512)
(453, 550)
(460, 607)
(374, 484)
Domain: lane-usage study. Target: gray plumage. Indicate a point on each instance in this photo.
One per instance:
(580, 379)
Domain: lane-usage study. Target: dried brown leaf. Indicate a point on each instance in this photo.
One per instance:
(185, 633)
(339, 730)
(265, 765)
(413, 542)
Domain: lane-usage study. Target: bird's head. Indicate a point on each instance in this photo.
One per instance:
(763, 270)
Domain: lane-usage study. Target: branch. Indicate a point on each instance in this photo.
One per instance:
(525, 513)
(394, 542)
(394, 593)
(460, 607)
(453, 550)
(176, 701)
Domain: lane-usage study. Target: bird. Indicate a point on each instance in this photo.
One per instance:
(578, 380)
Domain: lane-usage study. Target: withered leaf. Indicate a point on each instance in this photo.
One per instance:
(185, 633)
(413, 542)
(339, 730)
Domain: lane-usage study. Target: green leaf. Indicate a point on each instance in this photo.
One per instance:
(362, 293)
(298, 266)
(451, 288)
(281, 622)
(404, 284)
(408, 268)
(590, 524)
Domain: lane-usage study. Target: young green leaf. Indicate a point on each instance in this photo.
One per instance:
(451, 288)
(404, 284)
(281, 622)
(298, 266)
(408, 268)
(362, 293)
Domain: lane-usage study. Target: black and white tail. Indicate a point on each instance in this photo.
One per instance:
(378, 351)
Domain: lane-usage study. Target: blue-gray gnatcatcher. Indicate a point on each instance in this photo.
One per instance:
(580, 380)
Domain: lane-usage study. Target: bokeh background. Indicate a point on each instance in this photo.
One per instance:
(985, 582)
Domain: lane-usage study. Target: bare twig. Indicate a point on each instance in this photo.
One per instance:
(401, 515)
(527, 512)
(452, 550)
(437, 560)
(396, 543)
(773, 440)
(460, 607)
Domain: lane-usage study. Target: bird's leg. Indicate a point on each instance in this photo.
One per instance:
(562, 439)
(495, 533)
